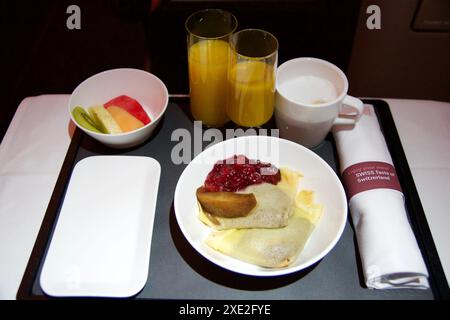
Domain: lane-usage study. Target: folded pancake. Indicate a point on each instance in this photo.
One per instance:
(306, 208)
(273, 209)
(289, 181)
(272, 248)
(274, 205)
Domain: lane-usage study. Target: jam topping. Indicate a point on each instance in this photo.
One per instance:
(238, 172)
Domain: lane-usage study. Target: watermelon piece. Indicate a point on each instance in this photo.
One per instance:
(131, 106)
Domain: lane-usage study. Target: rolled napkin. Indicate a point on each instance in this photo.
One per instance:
(389, 252)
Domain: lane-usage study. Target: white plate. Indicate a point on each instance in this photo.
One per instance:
(318, 176)
(102, 240)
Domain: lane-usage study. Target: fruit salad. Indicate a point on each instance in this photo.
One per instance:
(121, 114)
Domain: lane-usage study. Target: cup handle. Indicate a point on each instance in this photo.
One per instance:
(350, 118)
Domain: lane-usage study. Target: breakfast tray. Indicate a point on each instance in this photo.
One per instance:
(177, 271)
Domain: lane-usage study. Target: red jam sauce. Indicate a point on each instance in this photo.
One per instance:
(238, 172)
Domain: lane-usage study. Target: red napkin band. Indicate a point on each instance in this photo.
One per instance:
(369, 175)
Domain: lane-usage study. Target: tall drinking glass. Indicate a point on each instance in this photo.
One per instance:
(251, 78)
(209, 32)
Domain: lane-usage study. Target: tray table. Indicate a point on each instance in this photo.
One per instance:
(177, 271)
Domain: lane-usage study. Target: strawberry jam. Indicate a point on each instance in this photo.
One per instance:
(238, 172)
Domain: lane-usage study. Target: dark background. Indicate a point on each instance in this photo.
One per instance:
(40, 55)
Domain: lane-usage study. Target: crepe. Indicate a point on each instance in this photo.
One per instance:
(273, 209)
(275, 204)
(278, 247)
(273, 248)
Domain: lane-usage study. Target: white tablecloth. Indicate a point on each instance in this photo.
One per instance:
(34, 147)
(424, 129)
(31, 156)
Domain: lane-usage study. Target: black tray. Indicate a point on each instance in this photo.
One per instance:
(177, 271)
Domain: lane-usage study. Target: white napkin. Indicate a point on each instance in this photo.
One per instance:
(389, 252)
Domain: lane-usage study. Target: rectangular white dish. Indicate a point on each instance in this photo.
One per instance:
(102, 239)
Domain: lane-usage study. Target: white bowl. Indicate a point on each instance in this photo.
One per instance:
(318, 176)
(143, 86)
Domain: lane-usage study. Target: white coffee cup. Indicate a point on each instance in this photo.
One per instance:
(311, 98)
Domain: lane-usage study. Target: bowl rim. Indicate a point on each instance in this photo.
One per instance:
(276, 271)
(152, 122)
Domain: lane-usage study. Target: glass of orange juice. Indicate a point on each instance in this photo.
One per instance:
(209, 33)
(251, 78)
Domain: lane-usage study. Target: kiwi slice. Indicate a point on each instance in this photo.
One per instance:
(83, 119)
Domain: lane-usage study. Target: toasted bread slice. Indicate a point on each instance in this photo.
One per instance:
(226, 204)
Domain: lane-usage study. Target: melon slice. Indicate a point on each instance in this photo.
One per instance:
(124, 119)
(130, 105)
(104, 120)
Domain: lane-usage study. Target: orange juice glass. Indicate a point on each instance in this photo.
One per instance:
(209, 32)
(251, 78)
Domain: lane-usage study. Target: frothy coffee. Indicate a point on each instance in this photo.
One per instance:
(309, 90)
